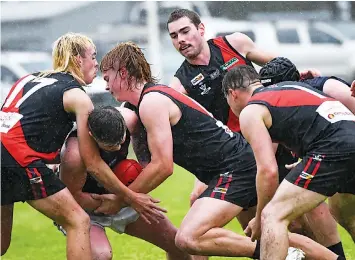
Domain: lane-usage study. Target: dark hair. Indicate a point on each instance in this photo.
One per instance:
(239, 77)
(107, 125)
(180, 13)
(129, 55)
(277, 70)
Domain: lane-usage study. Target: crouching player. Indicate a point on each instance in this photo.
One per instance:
(84, 187)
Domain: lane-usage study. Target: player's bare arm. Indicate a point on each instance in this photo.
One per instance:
(176, 84)
(254, 120)
(160, 143)
(81, 104)
(245, 46)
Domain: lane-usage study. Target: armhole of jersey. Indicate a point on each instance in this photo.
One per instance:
(235, 51)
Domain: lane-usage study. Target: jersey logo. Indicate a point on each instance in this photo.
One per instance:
(8, 121)
(215, 74)
(197, 79)
(204, 89)
(229, 63)
(334, 111)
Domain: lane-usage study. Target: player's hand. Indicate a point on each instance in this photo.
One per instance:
(310, 74)
(253, 230)
(110, 203)
(352, 88)
(146, 207)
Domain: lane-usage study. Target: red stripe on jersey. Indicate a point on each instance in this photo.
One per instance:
(43, 189)
(233, 122)
(227, 186)
(180, 97)
(315, 170)
(289, 98)
(218, 183)
(304, 169)
(228, 53)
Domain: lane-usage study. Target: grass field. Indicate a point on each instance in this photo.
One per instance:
(35, 237)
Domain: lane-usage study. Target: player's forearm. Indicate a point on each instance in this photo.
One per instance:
(266, 185)
(103, 174)
(150, 178)
(85, 200)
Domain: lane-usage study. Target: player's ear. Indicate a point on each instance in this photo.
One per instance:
(201, 29)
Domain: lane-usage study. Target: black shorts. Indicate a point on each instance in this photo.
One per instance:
(34, 182)
(235, 187)
(325, 174)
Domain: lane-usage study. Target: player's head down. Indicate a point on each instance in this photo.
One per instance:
(277, 70)
(75, 53)
(186, 32)
(124, 68)
(237, 85)
(107, 127)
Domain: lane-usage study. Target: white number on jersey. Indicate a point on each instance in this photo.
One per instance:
(226, 129)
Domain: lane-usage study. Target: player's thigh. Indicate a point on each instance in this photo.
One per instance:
(70, 156)
(290, 202)
(100, 245)
(207, 213)
(245, 216)
(6, 226)
(342, 206)
(161, 234)
(61, 207)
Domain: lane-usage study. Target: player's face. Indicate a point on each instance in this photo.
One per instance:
(111, 148)
(235, 102)
(186, 38)
(89, 65)
(115, 84)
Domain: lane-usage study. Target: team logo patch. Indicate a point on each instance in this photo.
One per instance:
(197, 79)
(204, 89)
(220, 190)
(229, 63)
(306, 176)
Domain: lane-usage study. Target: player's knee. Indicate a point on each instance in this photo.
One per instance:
(186, 242)
(101, 253)
(78, 220)
(271, 215)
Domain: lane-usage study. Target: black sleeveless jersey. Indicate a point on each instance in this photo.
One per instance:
(305, 119)
(204, 83)
(34, 123)
(319, 82)
(201, 144)
(111, 158)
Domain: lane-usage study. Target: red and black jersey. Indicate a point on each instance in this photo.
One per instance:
(304, 118)
(204, 82)
(34, 123)
(201, 144)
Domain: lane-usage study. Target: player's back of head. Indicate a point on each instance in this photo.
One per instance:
(239, 77)
(107, 125)
(277, 70)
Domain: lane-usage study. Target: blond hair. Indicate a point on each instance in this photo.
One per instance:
(65, 50)
(130, 56)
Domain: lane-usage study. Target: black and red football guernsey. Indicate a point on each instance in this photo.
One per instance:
(204, 82)
(201, 144)
(34, 123)
(305, 119)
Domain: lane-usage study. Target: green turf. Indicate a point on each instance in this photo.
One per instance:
(34, 236)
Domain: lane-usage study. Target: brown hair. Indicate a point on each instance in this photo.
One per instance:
(65, 49)
(180, 13)
(130, 56)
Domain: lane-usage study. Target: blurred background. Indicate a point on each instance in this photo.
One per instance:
(312, 34)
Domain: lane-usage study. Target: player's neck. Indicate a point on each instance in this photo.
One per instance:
(204, 56)
(136, 94)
